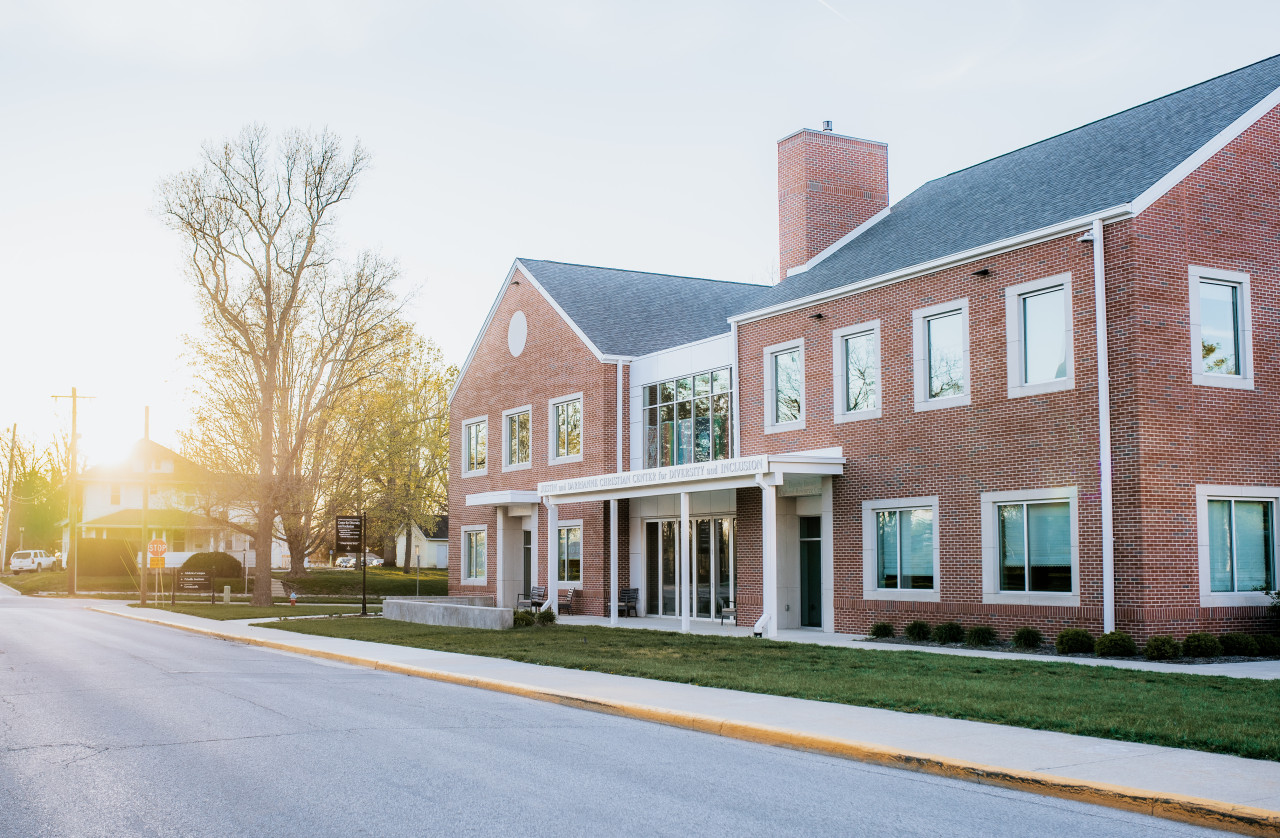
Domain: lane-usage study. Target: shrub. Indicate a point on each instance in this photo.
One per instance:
(1074, 642)
(1161, 648)
(918, 630)
(523, 619)
(545, 617)
(1028, 637)
(882, 630)
(1236, 643)
(1268, 645)
(980, 636)
(1115, 644)
(948, 633)
(1201, 645)
(222, 564)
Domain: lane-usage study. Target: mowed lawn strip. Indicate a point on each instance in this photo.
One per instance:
(1206, 713)
(383, 581)
(249, 612)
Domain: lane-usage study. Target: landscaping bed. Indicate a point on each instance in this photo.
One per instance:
(1208, 713)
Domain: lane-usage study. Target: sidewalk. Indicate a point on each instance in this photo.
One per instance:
(1212, 790)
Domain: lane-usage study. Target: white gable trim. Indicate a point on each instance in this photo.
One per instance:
(841, 242)
(493, 310)
(1158, 190)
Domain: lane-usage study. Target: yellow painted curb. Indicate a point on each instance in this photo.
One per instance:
(1215, 814)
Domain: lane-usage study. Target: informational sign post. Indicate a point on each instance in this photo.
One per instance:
(349, 538)
(196, 582)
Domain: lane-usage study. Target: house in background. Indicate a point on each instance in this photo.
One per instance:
(111, 511)
(431, 550)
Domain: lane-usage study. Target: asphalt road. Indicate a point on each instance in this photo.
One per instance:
(115, 728)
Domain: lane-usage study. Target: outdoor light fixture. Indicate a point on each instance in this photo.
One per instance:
(982, 272)
(817, 316)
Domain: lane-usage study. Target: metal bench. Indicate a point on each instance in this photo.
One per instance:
(537, 596)
(628, 602)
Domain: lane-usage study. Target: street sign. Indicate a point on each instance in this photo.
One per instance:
(350, 535)
(156, 548)
(156, 562)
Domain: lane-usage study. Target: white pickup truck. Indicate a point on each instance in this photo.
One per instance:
(33, 560)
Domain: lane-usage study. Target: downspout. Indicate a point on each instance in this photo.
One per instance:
(1104, 431)
(613, 510)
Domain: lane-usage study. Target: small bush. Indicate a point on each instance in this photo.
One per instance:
(882, 630)
(1268, 645)
(1161, 648)
(545, 617)
(1115, 644)
(918, 630)
(222, 564)
(1201, 645)
(523, 619)
(980, 636)
(948, 633)
(1074, 642)
(1236, 643)
(1028, 637)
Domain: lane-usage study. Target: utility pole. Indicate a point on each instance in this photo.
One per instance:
(146, 501)
(8, 500)
(73, 488)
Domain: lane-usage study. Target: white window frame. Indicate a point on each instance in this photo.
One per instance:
(1205, 493)
(771, 426)
(840, 372)
(1243, 381)
(552, 459)
(565, 525)
(870, 590)
(506, 438)
(920, 360)
(991, 593)
(1014, 330)
(483, 529)
(466, 446)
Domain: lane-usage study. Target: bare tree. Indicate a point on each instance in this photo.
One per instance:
(293, 326)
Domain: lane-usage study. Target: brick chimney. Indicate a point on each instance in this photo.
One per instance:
(828, 184)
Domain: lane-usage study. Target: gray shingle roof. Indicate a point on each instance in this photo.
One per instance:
(1091, 168)
(631, 313)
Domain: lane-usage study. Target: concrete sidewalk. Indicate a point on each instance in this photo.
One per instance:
(1214, 790)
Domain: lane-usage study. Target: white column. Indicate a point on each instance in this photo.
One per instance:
(533, 543)
(613, 562)
(499, 577)
(769, 554)
(683, 553)
(553, 532)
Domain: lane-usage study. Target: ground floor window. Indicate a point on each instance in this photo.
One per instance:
(473, 555)
(569, 559)
(1035, 546)
(904, 548)
(1240, 541)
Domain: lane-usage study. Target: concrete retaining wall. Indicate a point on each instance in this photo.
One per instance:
(463, 611)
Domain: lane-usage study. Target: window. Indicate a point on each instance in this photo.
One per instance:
(1221, 329)
(115, 494)
(1039, 336)
(566, 429)
(856, 351)
(784, 386)
(688, 419)
(900, 549)
(1030, 547)
(517, 438)
(474, 433)
(179, 544)
(1237, 544)
(474, 564)
(941, 355)
(569, 554)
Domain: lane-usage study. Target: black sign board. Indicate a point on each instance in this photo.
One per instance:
(195, 581)
(350, 536)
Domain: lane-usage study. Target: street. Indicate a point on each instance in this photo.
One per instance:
(111, 727)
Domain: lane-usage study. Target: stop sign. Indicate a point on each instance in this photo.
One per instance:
(157, 547)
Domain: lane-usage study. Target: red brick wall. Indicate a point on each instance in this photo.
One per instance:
(828, 184)
(555, 362)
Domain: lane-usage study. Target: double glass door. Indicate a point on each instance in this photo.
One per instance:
(711, 565)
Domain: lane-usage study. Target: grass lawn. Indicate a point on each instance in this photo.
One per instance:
(249, 612)
(1206, 713)
(383, 581)
(55, 582)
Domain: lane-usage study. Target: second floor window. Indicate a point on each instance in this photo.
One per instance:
(688, 419)
(517, 438)
(474, 443)
(566, 428)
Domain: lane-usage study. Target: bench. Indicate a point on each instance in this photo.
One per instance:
(628, 601)
(537, 597)
(727, 610)
(567, 596)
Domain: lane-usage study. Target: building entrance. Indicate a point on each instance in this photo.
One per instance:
(811, 572)
(711, 563)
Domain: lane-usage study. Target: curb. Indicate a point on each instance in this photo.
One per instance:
(1214, 814)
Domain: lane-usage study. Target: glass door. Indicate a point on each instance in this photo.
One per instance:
(712, 566)
(528, 563)
(811, 572)
(670, 591)
(702, 566)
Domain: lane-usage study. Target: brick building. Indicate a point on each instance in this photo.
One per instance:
(1038, 391)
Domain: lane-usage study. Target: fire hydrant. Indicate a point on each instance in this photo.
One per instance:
(293, 598)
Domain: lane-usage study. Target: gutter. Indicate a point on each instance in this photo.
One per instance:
(1104, 429)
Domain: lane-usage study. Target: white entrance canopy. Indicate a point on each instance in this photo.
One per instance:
(507, 498)
(736, 473)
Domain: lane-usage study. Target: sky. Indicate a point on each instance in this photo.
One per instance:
(637, 135)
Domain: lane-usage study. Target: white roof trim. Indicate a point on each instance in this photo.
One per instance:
(600, 356)
(493, 309)
(841, 242)
(1115, 213)
(1158, 190)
